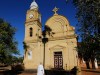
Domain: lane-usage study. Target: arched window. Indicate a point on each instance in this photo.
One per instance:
(31, 31)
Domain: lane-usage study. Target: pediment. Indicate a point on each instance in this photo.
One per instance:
(57, 47)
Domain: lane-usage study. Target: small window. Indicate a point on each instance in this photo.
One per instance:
(31, 32)
(30, 54)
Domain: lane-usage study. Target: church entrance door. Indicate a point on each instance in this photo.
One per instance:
(58, 60)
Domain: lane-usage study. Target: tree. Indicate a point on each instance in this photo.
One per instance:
(25, 46)
(16, 59)
(45, 32)
(88, 15)
(8, 44)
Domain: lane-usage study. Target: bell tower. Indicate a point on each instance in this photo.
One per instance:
(32, 40)
(33, 23)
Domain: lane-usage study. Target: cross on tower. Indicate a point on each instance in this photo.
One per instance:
(55, 10)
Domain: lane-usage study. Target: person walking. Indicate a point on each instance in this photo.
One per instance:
(40, 70)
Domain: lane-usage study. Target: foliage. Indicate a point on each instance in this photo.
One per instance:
(88, 15)
(17, 59)
(45, 32)
(8, 45)
(25, 46)
(89, 47)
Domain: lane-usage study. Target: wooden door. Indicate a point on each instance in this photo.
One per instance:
(58, 60)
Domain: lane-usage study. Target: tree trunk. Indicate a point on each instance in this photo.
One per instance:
(93, 63)
(44, 57)
(87, 64)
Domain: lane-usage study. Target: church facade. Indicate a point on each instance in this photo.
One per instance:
(59, 52)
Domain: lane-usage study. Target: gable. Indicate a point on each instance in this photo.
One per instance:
(57, 47)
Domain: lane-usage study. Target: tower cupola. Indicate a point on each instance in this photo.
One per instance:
(34, 5)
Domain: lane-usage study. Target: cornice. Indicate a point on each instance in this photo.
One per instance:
(52, 39)
(62, 37)
(33, 41)
(32, 20)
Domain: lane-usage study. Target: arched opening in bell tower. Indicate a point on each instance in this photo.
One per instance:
(31, 32)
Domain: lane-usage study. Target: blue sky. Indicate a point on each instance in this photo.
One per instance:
(14, 12)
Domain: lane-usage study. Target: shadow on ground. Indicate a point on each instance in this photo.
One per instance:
(47, 72)
(18, 70)
(15, 70)
(92, 70)
(10, 72)
(59, 72)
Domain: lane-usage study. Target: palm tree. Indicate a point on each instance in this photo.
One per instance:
(45, 40)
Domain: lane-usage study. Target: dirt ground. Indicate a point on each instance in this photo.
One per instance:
(90, 73)
(83, 72)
